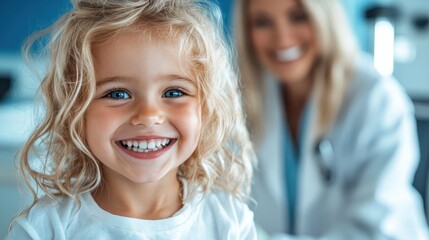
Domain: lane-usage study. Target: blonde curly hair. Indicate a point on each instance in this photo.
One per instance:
(224, 156)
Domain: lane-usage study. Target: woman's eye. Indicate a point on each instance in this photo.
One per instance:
(118, 94)
(172, 93)
(299, 17)
(261, 22)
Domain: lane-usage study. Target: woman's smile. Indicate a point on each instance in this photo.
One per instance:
(287, 55)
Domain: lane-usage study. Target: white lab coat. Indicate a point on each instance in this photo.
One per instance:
(374, 157)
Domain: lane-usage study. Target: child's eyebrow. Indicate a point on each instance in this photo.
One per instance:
(169, 77)
(172, 77)
(108, 80)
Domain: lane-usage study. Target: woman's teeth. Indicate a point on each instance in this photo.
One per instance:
(288, 55)
(145, 145)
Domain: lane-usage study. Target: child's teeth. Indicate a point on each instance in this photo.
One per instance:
(151, 144)
(143, 144)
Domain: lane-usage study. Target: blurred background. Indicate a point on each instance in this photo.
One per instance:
(394, 32)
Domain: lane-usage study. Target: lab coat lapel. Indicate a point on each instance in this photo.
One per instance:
(310, 184)
(270, 147)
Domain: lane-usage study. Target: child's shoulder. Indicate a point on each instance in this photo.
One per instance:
(43, 219)
(49, 209)
(225, 204)
(227, 216)
(48, 206)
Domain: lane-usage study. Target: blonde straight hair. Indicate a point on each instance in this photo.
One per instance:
(224, 156)
(338, 51)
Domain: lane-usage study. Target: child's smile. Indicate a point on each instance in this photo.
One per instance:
(146, 148)
(148, 145)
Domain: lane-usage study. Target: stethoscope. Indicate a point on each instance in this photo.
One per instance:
(324, 152)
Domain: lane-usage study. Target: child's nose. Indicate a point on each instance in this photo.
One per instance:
(147, 114)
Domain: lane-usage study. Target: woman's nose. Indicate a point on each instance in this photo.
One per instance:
(283, 35)
(147, 114)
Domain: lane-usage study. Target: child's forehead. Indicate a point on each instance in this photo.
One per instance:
(157, 42)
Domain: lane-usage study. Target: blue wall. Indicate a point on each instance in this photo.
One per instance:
(19, 18)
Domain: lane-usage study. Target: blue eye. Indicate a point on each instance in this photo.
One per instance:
(172, 93)
(118, 94)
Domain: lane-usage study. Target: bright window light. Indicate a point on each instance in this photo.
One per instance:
(384, 35)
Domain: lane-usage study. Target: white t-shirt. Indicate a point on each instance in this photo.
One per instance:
(217, 215)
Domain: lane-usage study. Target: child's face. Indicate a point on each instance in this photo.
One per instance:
(145, 118)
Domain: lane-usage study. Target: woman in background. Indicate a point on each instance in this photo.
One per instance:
(336, 141)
